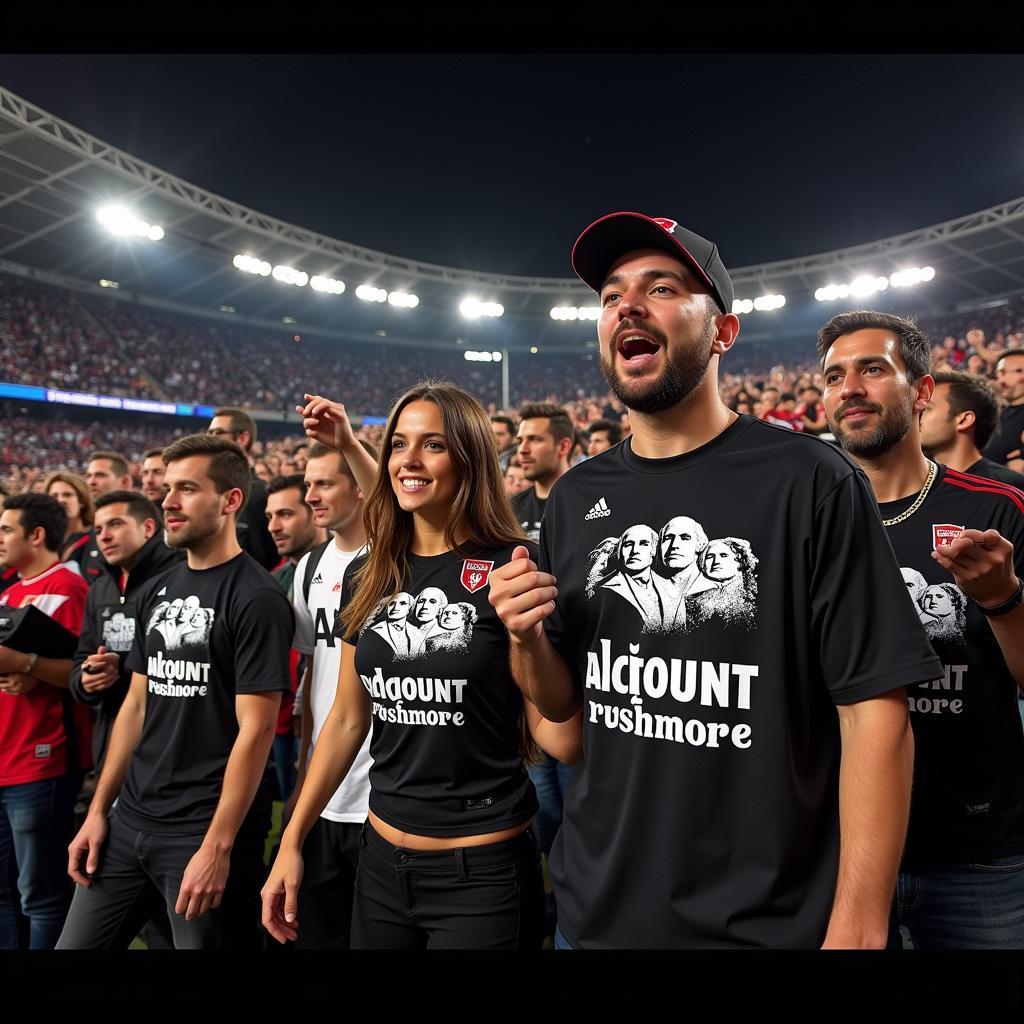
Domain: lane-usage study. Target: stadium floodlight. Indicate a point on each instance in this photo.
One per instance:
(403, 300)
(740, 306)
(251, 265)
(911, 276)
(119, 220)
(868, 284)
(105, 282)
(482, 357)
(496, 356)
(533, 350)
(767, 302)
(471, 308)
(575, 312)
(289, 275)
(228, 309)
(328, 285)
(287, 319)
(831, 292)
(369, 293)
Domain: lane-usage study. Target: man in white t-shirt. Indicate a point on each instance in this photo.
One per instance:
(331, 851)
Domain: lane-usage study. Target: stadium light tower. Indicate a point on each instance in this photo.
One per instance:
(119, 220)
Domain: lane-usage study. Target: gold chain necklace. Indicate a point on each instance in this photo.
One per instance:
(922, 494)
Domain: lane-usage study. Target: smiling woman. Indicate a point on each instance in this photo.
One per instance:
(450, 797)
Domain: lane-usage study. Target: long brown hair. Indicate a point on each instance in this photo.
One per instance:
(480, 507)
(80, 487)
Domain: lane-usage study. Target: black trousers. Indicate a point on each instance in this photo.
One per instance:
(139, 871)
(476, 897)
(330, 856)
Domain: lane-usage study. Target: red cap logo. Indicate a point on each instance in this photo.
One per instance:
(664, 222)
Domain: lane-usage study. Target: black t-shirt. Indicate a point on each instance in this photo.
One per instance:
(968, 797)
(445, 743)
(996, 471)
(713, 618)
(1006, 438)
(529, 510)
(201, 637)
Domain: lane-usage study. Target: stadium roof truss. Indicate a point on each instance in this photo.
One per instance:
(53, 177)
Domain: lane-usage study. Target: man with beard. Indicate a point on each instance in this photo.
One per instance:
(188, 753)
(295, 533)
(961, 883)
(153, 470)
(1006, 444)
(958, 422)
(545, 440)
(707, 810)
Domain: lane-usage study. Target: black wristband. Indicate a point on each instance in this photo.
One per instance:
(1006, 606)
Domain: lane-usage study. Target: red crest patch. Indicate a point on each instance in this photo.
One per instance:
(668, 225)
(336, 587)
(945, 533)
(475, 573)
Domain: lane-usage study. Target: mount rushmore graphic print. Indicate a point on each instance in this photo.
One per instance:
(676, 578)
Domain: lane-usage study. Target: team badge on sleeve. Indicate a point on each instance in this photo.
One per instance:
(475, 573)
(945, 533)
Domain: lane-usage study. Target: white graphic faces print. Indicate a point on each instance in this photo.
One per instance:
(941, 607)
(182, 622)
(675, 577)
(414, 626)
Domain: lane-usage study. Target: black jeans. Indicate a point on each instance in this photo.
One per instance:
(330, 856)
(475, 897)
(139, 871)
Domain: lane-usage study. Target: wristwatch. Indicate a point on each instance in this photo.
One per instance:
(1006, 606)
(32, 659)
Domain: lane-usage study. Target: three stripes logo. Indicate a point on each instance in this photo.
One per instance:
(318, 578)
(599, 511)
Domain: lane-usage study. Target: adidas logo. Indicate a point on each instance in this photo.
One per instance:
(318, 578)
(599, 511)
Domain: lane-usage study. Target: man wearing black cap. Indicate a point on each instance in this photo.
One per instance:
(729, 744)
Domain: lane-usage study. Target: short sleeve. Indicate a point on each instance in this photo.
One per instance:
(303, 641)
(554, 624)
(263, 626)
(869, 637)
(70, 612)
(338, 632)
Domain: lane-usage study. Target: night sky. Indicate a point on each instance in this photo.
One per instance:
(495, 162)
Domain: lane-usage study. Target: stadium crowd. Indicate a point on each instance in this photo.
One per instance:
(92, 509)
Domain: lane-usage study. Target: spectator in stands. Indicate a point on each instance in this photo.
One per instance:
(514, 479)
(603, 435)
(106, 471)
(129, 532)
(295, 533)
(545, 436)
(811, 411)
(41, 760)
(331, 849)
(152, 475)
(505, 438)
(192, 777)
(1005, 443)
(958, 422)
(72, 492)
(238, 426)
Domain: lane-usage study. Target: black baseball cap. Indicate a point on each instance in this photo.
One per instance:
(615, 234)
